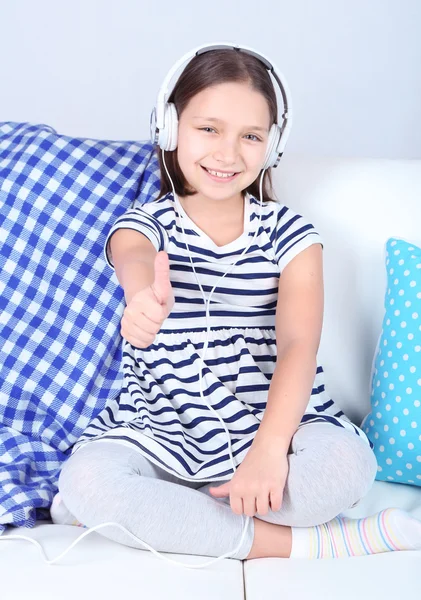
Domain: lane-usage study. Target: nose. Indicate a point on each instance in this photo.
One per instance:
(226, 151)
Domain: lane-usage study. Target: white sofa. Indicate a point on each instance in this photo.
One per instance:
(356, 204)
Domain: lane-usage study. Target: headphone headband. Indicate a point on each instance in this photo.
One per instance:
(279, 137)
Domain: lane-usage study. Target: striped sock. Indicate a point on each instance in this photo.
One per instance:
(390, 529)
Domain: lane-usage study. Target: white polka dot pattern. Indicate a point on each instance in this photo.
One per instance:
(394, 423)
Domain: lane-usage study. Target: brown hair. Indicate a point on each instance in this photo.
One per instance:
(209, 69)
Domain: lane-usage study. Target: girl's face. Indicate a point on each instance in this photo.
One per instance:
(223, 128)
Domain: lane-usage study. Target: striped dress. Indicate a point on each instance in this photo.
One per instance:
(159, 410)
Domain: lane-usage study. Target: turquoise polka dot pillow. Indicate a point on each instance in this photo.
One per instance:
(394, 423)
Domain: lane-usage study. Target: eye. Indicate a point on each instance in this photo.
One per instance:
(255, 136)
(203, 128)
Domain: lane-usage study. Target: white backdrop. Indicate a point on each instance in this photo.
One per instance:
(92, 68)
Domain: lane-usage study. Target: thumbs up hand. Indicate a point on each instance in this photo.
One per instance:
(148, 309)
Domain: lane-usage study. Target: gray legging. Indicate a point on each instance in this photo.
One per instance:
(330, 470)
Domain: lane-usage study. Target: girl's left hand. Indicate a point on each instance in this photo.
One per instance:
(257, 482)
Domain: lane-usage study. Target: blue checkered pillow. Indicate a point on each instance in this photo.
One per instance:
(394, 423)
(61, 303)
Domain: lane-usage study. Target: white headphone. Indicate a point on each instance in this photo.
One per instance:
(164, 118)
(164, 132)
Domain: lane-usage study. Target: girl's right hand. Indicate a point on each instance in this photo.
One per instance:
(148, 309)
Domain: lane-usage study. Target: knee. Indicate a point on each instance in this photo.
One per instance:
(360, 465)
(350, 470)
(94, 471)
(348, 464)
(83, 477)
(75, 478)
(337, 472)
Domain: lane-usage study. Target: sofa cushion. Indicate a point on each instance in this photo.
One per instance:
(394, 423)
(61, 303)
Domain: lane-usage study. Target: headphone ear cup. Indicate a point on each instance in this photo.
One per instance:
(168, 136)
(271, 155)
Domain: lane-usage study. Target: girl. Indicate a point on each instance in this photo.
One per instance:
(147, 459)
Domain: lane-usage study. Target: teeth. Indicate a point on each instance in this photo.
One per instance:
(218, 174)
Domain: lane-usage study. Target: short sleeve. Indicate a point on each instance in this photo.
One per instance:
(139, 220)
(293, 234)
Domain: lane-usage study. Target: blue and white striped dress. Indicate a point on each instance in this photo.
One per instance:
(159, 410)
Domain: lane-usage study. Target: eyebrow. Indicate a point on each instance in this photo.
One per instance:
(256, 127)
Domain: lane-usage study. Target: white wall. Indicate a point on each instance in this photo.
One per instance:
(92, 68)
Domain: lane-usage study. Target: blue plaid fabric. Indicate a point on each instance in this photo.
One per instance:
(61, 303)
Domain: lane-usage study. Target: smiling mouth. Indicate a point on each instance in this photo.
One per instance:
(222, 177)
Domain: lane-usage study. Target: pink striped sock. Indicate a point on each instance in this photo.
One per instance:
(389, 530)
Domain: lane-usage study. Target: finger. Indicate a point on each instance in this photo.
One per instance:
(156, 313)
(139, 339)
(236, 504)
(140, 326)
(139, 344)
(262, 504)
(140, 322)
(249, 504)
(275, 500)
(162, 285)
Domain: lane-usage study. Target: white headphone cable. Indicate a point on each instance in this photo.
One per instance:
(210, 295)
